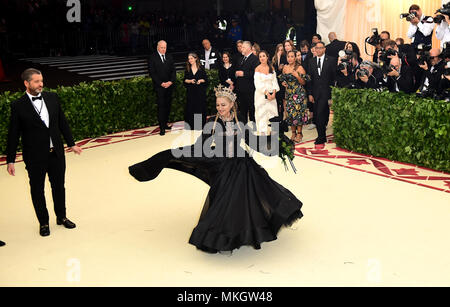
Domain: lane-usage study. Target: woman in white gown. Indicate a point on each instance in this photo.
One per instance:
(266, 87)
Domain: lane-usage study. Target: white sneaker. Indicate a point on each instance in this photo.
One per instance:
(311, 127)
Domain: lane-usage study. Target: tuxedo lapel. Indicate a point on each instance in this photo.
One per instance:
(29, 109)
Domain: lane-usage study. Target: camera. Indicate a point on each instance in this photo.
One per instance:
(445, 9)
(363, 72)
(270, 93)
(408, 16)
(375, 39)
(438, 19)
(385, 53)
(423, 51)
(345, 56)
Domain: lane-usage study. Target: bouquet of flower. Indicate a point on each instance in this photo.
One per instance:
(286, 146)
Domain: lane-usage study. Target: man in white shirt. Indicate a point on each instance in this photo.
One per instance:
(421, 29)
(443, 31)
(209, 58)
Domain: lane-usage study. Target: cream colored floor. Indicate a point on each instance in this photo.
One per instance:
(358, 229)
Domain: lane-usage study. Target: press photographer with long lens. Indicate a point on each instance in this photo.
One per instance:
(443, 21)
(346, 68)
(444, 84)
(434, 67)
(421, 29)
(368, 76)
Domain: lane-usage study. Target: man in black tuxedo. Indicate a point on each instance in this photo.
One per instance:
(209, 57)
(162, 71)
(37, 117)
(322, 69)
(245, 85)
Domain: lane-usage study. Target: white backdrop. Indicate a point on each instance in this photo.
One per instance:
(331, 18)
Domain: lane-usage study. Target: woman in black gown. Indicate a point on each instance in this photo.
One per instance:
(227, 71)
(196, 83)
(244, 205)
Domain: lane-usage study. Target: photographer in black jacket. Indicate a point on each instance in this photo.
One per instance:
(368, 75)
(434, 67)
(346, 68)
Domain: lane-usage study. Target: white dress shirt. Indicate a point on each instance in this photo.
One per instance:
(207, 53)
(41, 109)
(319, 69)
(443, 33)
(163, 59)
(426, 28)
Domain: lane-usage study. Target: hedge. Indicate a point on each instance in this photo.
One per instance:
(395, 126)
(100, 108)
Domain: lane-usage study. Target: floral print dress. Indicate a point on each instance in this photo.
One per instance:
(296, 101)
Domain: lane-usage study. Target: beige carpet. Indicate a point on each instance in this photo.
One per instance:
(358, 229)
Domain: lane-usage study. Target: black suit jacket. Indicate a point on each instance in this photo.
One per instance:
(320, 86)
(161, 72)
(405, 83)
(434, 78)
(214, 54)
(247, 83)
(334, 47)
(26, 123)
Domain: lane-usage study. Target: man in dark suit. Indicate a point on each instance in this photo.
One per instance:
(245, 85)
(209, 57)
(37, 117)
(162, 71)
(335, 45)
(322, 69)
(400, 78)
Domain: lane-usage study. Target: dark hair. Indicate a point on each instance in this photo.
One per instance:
(28, 73)
(197, 61)
(389, 43)
(296, 65)
(229, 56)
(386, 32)
(304, 43)
(323, 44)
(318, 36)
(401, 40)
(414, 7)
(268, 60)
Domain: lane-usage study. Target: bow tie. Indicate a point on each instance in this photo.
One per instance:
(36, 98)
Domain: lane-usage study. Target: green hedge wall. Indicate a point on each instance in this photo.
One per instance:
(99, 108)
(395, 126)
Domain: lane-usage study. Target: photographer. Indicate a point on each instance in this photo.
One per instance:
(434, 69)
(443, 30)
(444, 84)
(346, 68)
(368, 76)
(421, 28)
(398, 76)
(406, 54)
(384, 36)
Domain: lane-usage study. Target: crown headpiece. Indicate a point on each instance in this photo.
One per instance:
(222, 91)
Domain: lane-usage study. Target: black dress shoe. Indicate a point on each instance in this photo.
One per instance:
(44, 230)
(2, 243)
(66, 223)
(167, 127)
(162, 131)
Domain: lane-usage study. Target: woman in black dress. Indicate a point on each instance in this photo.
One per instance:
(244, 205)
(227, 71)
(196, 83)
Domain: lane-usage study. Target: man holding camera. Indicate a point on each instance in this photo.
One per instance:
(368, 76)
(433, 73)
(398, 76)
(346, 69)
(421, 28)
(378, 42)
(443, 30)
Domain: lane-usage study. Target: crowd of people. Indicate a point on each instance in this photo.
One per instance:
(295, 82)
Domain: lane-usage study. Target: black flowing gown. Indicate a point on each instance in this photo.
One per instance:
(244, 205)
(195, 98)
